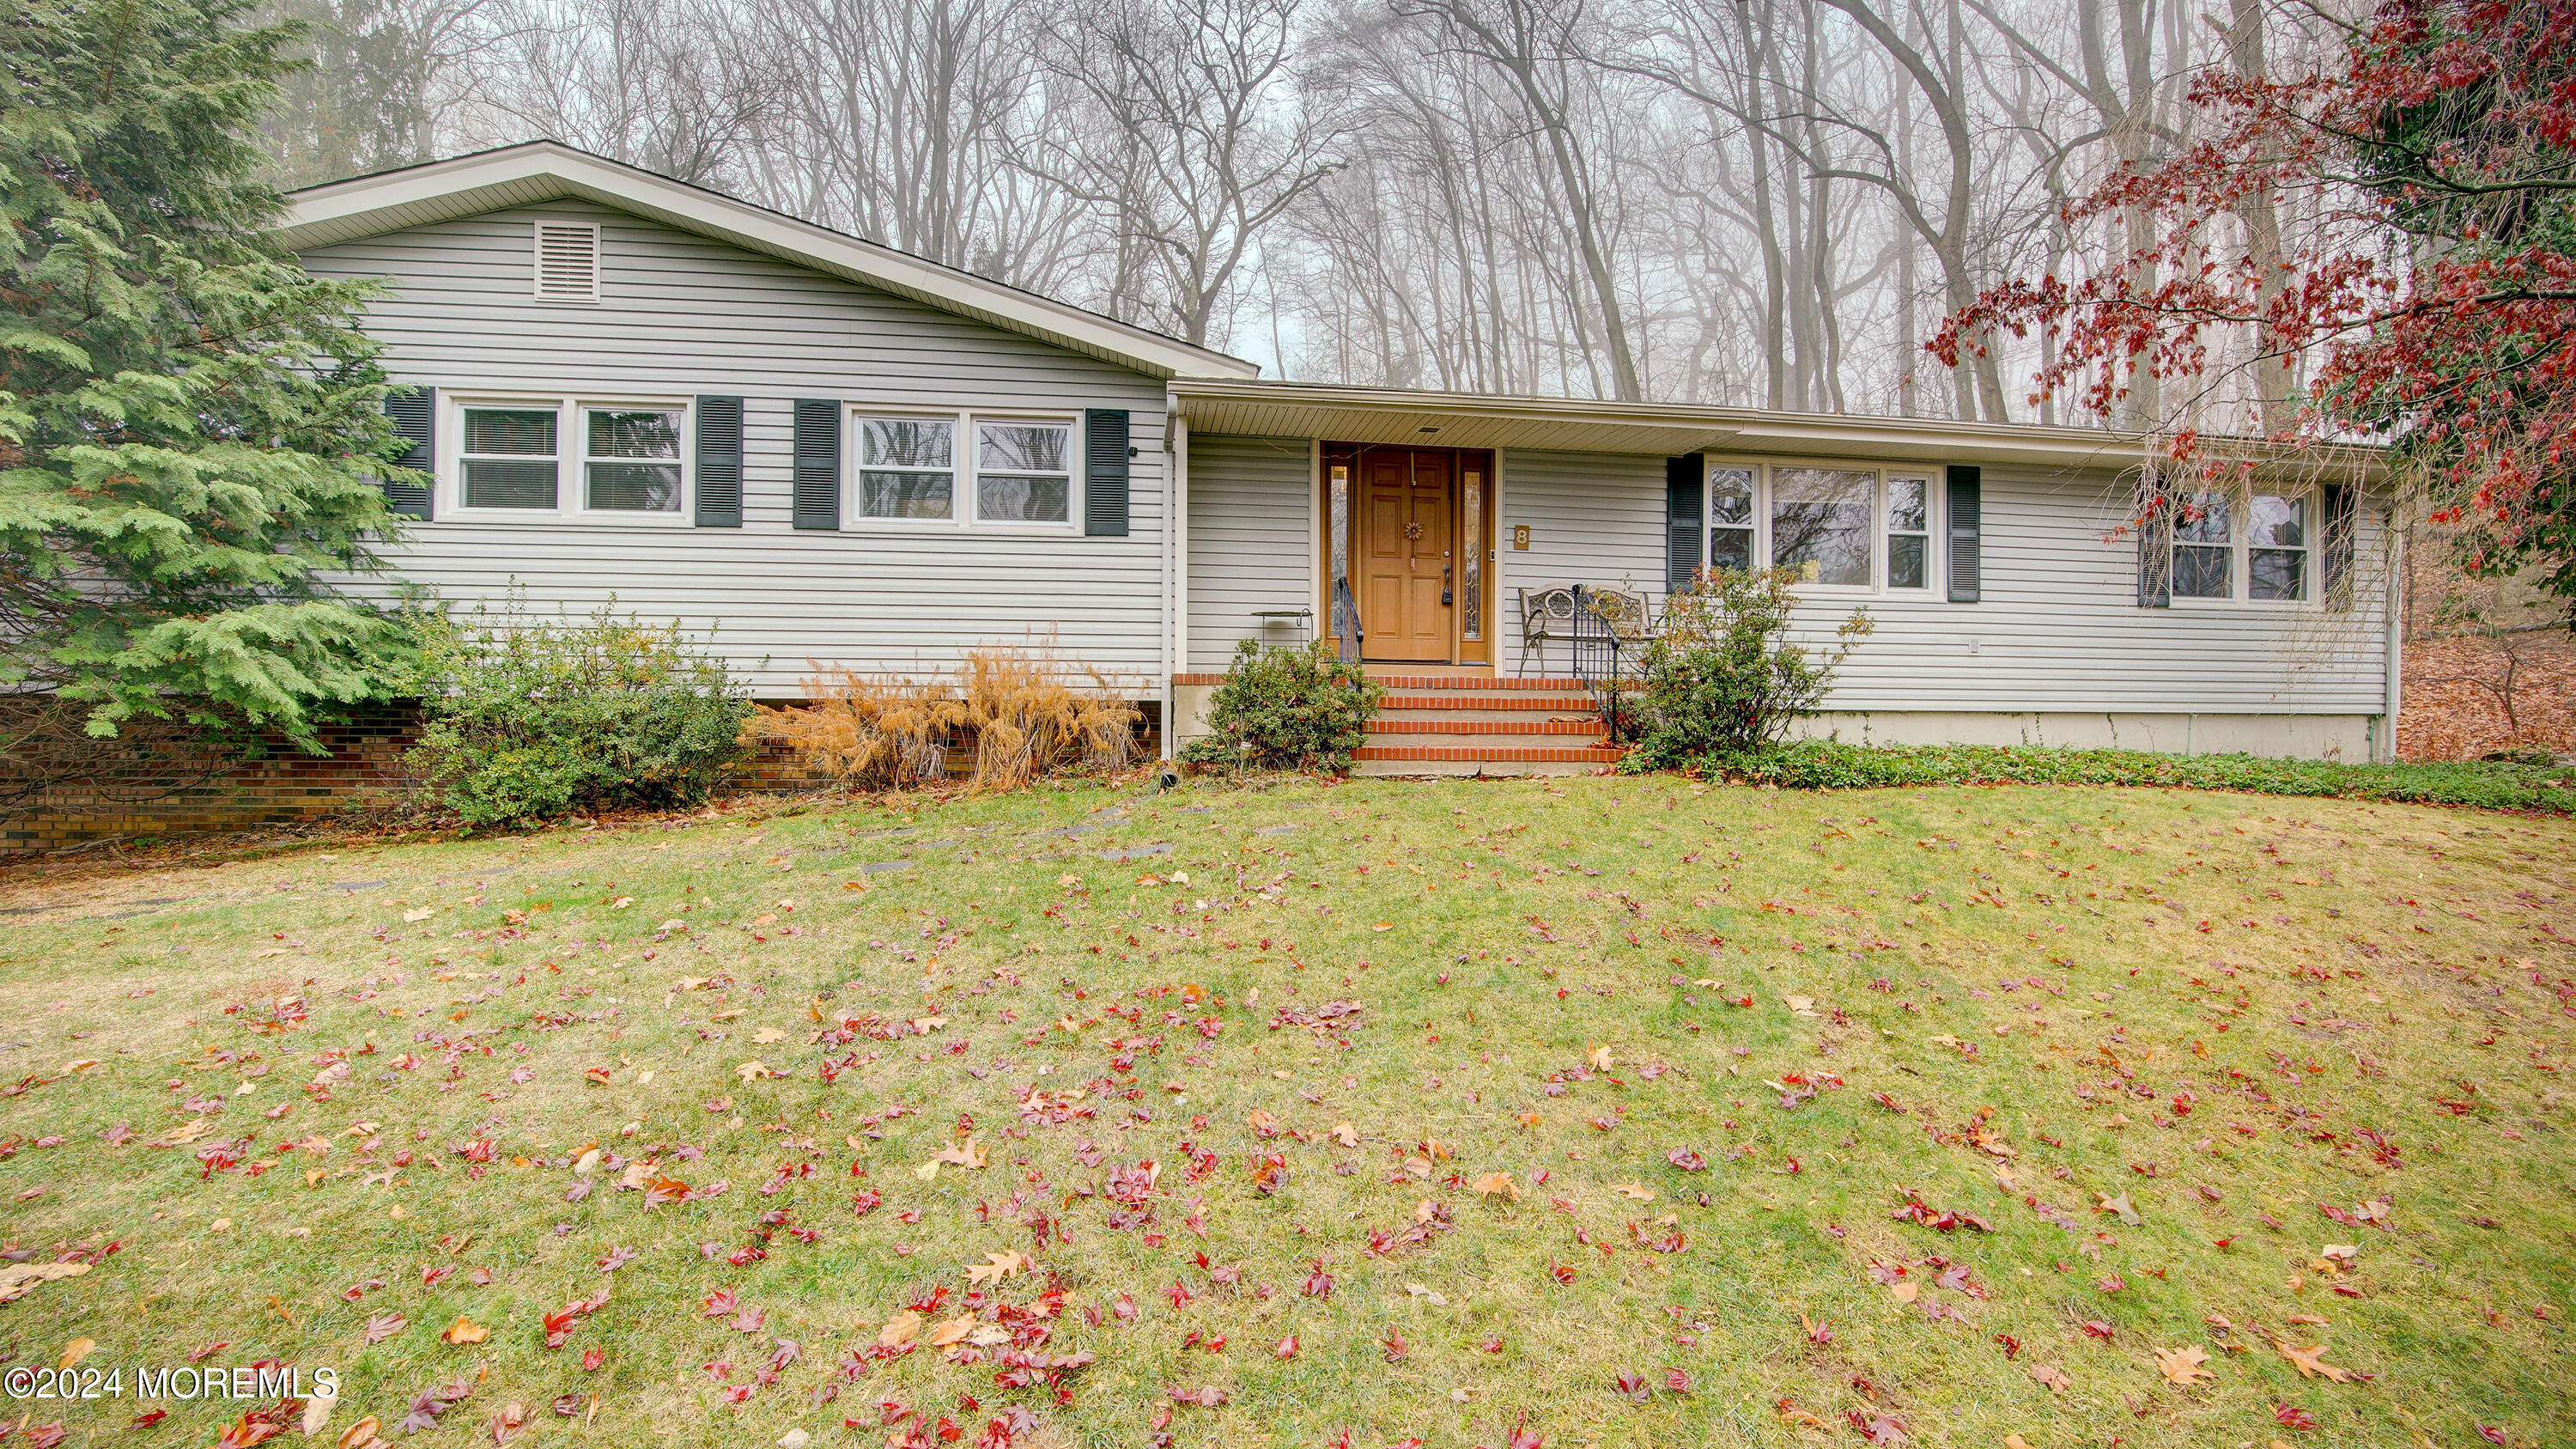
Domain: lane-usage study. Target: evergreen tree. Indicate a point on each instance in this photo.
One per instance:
(362, 105)
(191, 428)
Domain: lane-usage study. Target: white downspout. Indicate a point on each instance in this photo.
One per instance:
(1176, 640)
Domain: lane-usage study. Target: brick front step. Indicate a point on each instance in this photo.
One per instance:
(1481, 759)
(1525, 704)
(1433, 681)
(1450, 725)
(1496, 754)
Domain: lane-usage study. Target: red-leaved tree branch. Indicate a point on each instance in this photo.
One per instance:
(2429, 299)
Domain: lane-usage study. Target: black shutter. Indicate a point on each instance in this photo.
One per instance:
(415, 414)
(1967, 535)
(2155, 542)
(719, 462)
(1105, 472)
(1685, 495)
(2336, 580)
(818, 463)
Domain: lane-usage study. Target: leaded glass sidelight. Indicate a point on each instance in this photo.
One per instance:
(1471, 611)
(1337, 528)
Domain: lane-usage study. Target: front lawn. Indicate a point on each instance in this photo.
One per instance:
(1615, 1112)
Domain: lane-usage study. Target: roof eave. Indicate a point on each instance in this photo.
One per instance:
(1657, 427)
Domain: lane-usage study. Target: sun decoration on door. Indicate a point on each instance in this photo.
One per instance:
(1413, 530)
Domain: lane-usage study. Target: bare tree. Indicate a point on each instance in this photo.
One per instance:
(1532, 42)
(1185, 125)
(679, 87)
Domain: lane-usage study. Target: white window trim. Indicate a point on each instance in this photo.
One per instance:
(2240, 552)
(572, 452)
(965, 459)
(537, 263)
(1935, 510)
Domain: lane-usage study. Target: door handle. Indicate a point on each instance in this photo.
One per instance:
(1445, 599)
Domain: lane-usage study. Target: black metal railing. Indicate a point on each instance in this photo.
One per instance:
(1610, 637)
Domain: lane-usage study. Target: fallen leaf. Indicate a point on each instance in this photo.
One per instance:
(2183, 1365)
(1634, 1192)
(899, 1330)
(2120, 1205)
(2310, 1362)
(1599, 1058)
(75, 1351)
(996, 1267)
(2055, 1381)
(359, 1434)
(1346, 1134)
(954, 1329)
(1497, 1184)
(420, 913)
(753, 1071)
(1416, 1290)
(1905, 1291)
(463, 1332)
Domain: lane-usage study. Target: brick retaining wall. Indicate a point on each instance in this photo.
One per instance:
(364, 767)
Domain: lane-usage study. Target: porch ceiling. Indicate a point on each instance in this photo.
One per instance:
(1468, 420)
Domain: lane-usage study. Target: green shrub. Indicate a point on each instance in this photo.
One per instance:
(1721, 679)
(1835, 765)
(526, 722)
(1287, 709)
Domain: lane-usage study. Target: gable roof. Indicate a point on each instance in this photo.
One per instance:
(535, 172)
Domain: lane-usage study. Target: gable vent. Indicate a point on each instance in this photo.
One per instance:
(568, 261)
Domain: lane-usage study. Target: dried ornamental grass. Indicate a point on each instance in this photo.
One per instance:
(869, 733)
(1024, 721)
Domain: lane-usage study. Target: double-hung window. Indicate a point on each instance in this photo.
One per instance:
(510, 458)
(1014, 471)
(2268, 552)
(1730, 518)
(571, 457)
(2276, 555)
(1834, 526)
(907, 468)
(1909, 532)
(630, 459)
(1021, 474)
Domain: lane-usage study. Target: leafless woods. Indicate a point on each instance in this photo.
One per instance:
(1758, 202)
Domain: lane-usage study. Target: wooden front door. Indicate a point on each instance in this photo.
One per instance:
(1406, 534)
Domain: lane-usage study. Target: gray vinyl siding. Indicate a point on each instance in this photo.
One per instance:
(2058, 629)
(1251, 514)
(1594, 518)
(682, 315)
